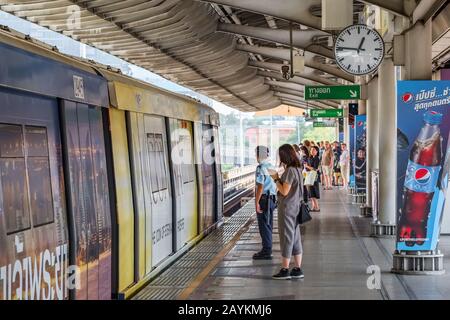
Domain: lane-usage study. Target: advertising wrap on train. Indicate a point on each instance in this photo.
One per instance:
(46, 276)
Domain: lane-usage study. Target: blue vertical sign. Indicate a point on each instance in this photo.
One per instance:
(351, 130)
(423, 162)
(360, 161)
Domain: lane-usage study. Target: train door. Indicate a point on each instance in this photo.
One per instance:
(33, 227)
(161, 198)
(153, 190)
(88, 198)
(184, 181)
(209, 177)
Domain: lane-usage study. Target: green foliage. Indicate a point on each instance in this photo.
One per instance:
(320, 134)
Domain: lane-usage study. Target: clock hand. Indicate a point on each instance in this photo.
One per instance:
(347, 48)
(360, 45)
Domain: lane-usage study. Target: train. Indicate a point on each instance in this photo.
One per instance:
(105, 180)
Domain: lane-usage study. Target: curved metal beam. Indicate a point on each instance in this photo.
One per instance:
(291, 10)
(277, 76)
(301, 39)
(284, 54)
(308, 74)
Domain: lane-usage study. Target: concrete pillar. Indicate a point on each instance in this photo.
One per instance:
(346, 140)
(418, 66)
(362, 106)
(372, 136)
(387, 119)
(418, 59)
(337, 130)
(346, 131)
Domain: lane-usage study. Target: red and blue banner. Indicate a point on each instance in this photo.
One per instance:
(360, 160)
(423, 162)
(351, 149)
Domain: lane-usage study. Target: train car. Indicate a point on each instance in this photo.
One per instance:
(163, 189)
(104, 180)
(55, 218)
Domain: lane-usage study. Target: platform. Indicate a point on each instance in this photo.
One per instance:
(338, 250)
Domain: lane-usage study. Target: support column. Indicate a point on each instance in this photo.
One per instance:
(372, 140)
(362, 198)
(418, 66)
(387, 115)
(346, 132)
(362, 106)
(418, 60)
(337, 130)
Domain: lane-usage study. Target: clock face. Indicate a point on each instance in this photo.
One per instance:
(359, 49)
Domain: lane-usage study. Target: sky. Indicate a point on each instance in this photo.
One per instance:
(69, 46)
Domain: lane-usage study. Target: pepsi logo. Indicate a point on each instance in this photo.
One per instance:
(360, 123)
(422, 176)
(407, 97)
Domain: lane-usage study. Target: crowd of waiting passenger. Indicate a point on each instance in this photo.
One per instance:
(303, 169)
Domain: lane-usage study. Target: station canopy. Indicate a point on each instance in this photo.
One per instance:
(229, 50)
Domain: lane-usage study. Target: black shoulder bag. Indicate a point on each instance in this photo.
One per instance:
(303, 215)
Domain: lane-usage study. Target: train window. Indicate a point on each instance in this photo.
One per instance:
(11, 141)
(159, 152)
(41, 201)
(19, 193)
(158, 170)
(36, 141)
(152, 160)
(40, 191)
(186, 167)
(15, 194)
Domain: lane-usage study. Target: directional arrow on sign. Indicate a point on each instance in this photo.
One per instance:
(341, 92)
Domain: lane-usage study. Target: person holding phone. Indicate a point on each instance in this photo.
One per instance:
(290, 193)
(265, 202)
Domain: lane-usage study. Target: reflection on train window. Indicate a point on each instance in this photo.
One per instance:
(36, 139)
(158, 170)
(206, 167)
(187, 169)
(11, 141)
(21, 196)
(40, 191)
(14, 194)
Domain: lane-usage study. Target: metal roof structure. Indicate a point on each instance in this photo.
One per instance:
(229, 50)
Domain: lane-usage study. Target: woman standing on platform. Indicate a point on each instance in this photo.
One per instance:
(327, 165)
(304, 161)
(290, 189)
(313, 164)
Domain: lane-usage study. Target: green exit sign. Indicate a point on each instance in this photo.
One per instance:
(352, 92)
(326, 113)
(319, 124)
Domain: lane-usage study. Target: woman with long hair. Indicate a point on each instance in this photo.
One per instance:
(290, 189)
(313, 164)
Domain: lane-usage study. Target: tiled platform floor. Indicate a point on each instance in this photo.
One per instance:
(337, 252)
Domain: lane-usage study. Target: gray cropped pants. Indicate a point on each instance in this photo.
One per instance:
(289, 231)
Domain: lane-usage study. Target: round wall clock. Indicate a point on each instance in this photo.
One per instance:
(359, 49)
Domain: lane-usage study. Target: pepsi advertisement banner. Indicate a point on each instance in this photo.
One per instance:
(360, 163)
(423, 162)
(351, 149)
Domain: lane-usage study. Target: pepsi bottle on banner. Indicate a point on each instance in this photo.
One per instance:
(421, 179)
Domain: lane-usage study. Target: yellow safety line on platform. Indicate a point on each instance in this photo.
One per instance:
(214, 262)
